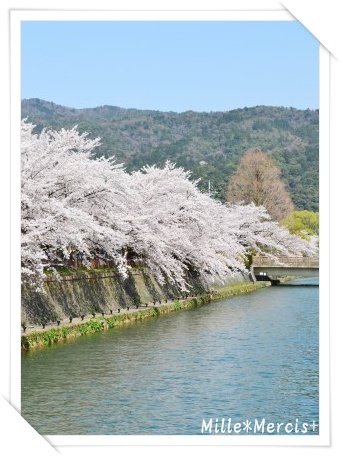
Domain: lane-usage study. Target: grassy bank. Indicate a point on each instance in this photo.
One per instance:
(47, 337)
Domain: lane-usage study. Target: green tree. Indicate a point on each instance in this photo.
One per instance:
(302, 223)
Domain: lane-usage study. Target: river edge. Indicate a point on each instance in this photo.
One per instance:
(59, 334)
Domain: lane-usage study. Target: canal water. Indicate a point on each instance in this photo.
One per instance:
(252, 357)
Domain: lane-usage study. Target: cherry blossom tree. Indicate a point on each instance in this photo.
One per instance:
(260, 234)
(69, 201)
(73, 203)
(176, 227)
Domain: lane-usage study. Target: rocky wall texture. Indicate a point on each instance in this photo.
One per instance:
(84, 292)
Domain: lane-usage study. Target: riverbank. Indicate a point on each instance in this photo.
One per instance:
(96, 291)
(65, 330)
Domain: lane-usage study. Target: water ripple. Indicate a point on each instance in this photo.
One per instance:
(251, 356)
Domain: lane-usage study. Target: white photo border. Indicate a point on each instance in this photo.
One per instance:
(325, 58)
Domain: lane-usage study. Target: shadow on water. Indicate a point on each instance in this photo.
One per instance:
(301, 282)
(297, 285)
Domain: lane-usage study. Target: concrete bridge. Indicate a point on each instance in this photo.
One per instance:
(263, 267)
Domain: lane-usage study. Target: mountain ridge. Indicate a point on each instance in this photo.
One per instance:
(209, 144)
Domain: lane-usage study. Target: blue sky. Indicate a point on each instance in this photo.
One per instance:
(170, 66)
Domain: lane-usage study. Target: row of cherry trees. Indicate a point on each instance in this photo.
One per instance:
(74, 204)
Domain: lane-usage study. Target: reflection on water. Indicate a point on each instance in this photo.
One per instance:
(250, 357)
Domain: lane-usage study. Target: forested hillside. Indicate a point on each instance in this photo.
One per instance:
(210, 144)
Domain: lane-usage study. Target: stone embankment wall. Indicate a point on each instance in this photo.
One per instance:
(94, 291)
